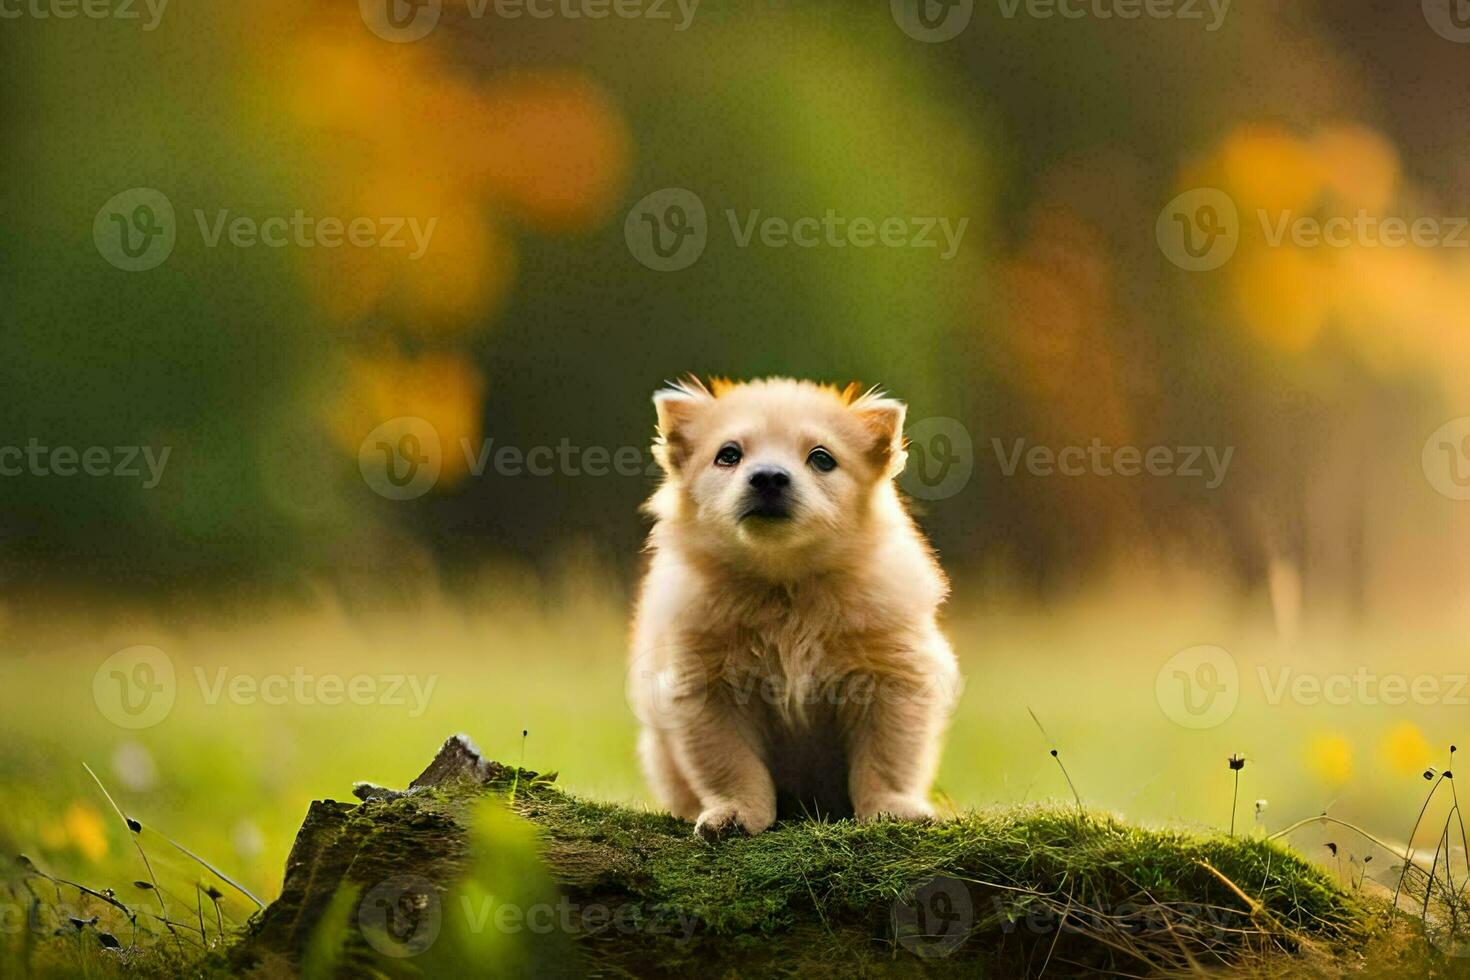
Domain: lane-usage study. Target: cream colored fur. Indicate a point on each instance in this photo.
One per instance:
(796, 657)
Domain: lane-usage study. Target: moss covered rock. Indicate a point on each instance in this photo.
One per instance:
(626, 892)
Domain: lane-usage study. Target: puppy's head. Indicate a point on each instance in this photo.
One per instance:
(776, 469)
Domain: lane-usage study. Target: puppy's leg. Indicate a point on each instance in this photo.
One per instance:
(893, 751)
(662, 771)
(716, 755)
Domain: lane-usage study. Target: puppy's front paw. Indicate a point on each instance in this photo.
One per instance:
(895, 807)
(731, 820)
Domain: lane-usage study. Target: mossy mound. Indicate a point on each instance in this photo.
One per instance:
(1006, 892)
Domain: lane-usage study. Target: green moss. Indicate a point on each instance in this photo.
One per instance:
(1029, 875)
(995, 892)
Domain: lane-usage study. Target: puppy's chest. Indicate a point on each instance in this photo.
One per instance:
(787, 651)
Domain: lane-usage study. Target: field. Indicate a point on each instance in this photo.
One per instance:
(230, 769)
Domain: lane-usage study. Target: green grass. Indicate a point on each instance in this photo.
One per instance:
(1119, 894)
(232, 781)
(1024, 887)
(1020, 886)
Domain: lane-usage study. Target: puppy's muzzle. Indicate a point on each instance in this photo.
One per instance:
(769, 494)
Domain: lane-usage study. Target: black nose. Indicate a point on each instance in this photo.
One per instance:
(770, 481)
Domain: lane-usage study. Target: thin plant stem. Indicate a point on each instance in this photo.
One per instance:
(1057, 756)
(132, 835)
(1234, 802)
(1409, 855)
(516, 780)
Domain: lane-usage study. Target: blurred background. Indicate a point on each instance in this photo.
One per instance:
(530, 153)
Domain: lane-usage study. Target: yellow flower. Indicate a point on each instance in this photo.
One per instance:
(1269, 167)
(85, 830)
(1282, 294)
(1330, 757)
(1405, 749)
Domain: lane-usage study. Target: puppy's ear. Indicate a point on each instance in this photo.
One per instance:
(882, 419)
(677, 405)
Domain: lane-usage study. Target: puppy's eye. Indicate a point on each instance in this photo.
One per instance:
(822, 460)
(729, 455)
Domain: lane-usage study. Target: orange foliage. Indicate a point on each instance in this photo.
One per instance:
(1398, 305)
(393, 132)
(445, 390)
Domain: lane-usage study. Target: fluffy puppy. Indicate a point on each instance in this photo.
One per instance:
(785, 646)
